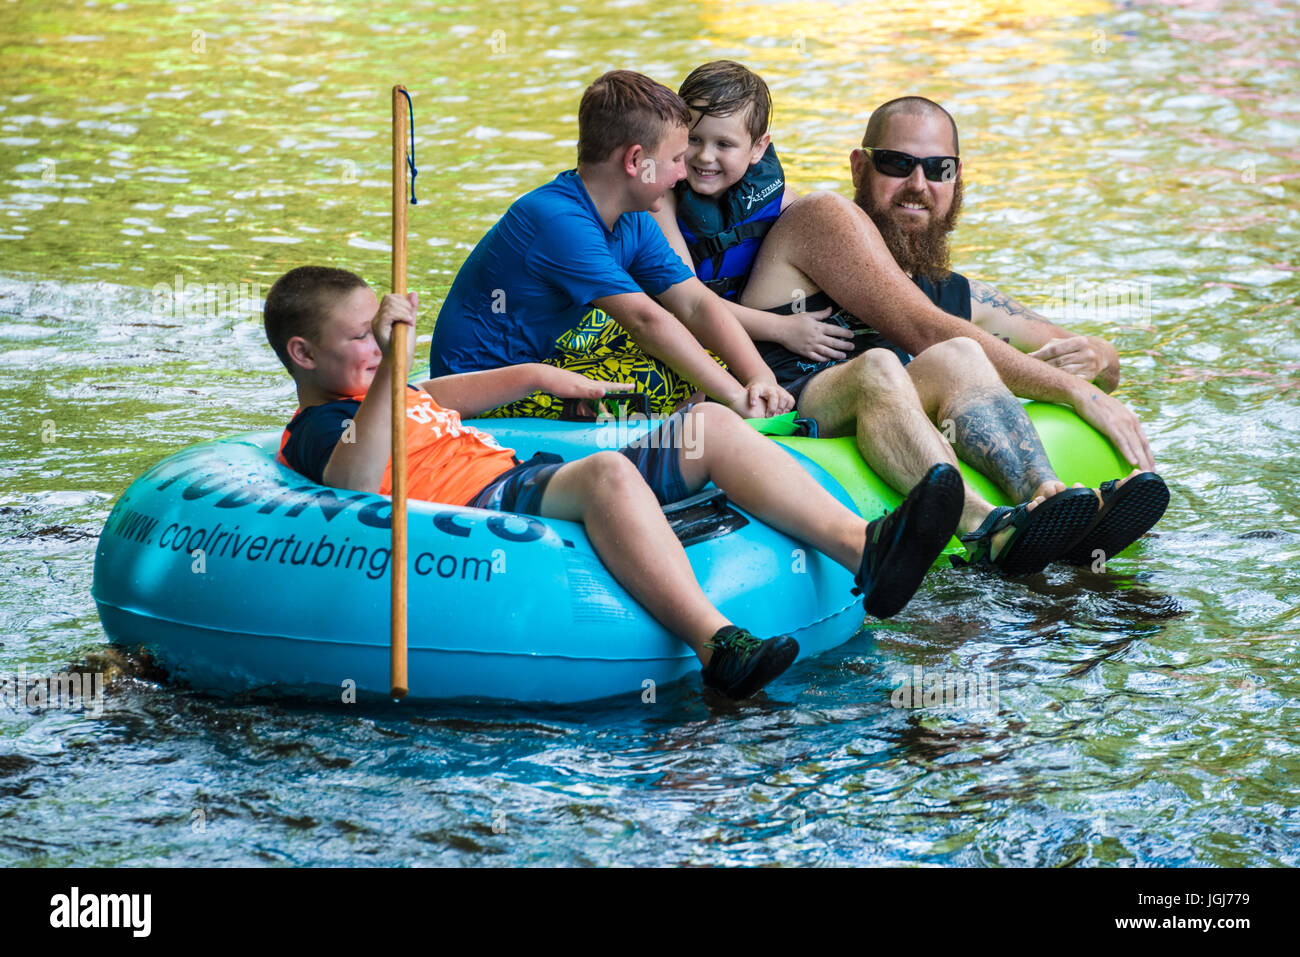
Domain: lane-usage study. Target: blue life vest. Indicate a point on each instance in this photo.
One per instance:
(723, 235)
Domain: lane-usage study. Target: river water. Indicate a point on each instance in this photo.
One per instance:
(1131, 171)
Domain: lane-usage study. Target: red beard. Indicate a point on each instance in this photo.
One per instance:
(922, 252)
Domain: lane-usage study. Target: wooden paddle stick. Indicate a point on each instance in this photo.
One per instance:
(397, 657)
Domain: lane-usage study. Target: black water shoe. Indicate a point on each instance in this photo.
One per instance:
(902, 545)
(742, 664)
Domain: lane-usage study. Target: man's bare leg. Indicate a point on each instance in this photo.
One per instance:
(872, 398)
(960, 390)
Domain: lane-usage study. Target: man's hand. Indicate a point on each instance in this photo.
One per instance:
(763, 398)
(805, 334)
(1077, 355)
(395, 309)
(1118, 422)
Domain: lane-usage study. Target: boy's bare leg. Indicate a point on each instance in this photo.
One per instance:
(872, 396)
(889, 556)
(628, 530)
(763, 479)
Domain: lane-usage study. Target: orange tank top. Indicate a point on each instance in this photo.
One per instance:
(446, 460)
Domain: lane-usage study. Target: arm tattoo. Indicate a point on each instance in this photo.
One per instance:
(993, 434)
(983, 292)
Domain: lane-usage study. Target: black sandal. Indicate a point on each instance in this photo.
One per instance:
(1127, 512)
(1042, 534)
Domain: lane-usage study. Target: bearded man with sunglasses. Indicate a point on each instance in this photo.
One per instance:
(930, 347)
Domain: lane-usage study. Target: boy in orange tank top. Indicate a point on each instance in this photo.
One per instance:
(333, 335)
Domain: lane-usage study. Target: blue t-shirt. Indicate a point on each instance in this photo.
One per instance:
(533, 277)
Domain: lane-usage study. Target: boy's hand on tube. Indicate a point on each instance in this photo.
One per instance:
(574, 385)
(763, 398)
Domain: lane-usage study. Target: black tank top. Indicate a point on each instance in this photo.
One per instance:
(952, 295)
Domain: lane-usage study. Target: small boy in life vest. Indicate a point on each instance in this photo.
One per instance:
(333, 335)
(733, 192)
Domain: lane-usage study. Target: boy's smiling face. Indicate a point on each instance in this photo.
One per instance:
(719, 151)
(343, 357)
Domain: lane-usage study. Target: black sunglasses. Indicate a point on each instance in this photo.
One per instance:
(937, 169)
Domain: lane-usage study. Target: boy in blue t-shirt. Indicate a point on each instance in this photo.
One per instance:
(527, 291)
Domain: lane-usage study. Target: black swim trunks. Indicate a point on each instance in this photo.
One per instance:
(793, 371)
(655, 456)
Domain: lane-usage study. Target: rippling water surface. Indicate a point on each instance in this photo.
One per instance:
(1147, 716)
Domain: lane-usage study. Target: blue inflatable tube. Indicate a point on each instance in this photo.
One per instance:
(237, 574)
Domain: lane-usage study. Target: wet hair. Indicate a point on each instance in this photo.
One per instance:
(725, 87)
(622, 108)
(298, 302)
(905, 106)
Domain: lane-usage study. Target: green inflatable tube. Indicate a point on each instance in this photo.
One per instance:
(1077, 451)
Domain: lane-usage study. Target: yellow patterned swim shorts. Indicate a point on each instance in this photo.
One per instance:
(599, 348)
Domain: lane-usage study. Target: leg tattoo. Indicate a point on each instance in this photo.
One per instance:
(993, 433)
